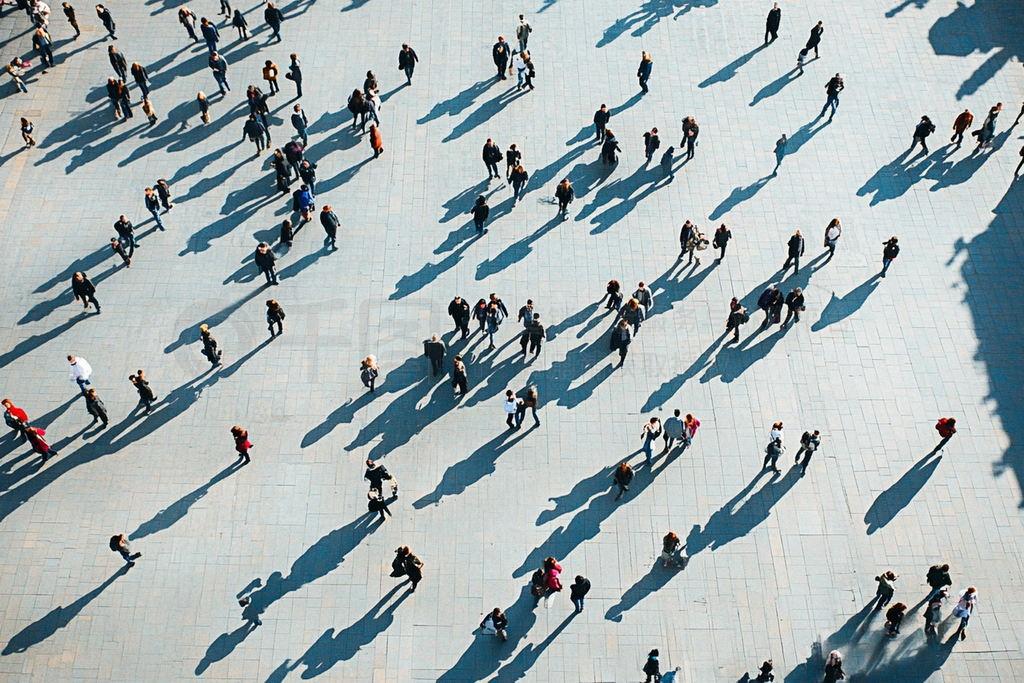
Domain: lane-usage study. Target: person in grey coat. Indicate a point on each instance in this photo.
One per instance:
(645, 297)
(330, 221)
(266, 262)
(434, 349)
(672, 430)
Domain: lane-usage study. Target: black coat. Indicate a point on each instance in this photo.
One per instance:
(83, 288)
(480, 212)
(795, 301)
(145, 392)
(796, 246)
(407, 58)
(273, 16)
(774, 17)
(601, 117)
(118, 61)
(330, 221)
(815, 37)
(434, 350)
(459, 311)
(264, 261)
(139, 74)
(500, 56)
(491, 154)
(579, 590)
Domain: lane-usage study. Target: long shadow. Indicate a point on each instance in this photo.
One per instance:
(578, 318)
(671, 387)
(624, 188)
(458, 104)
(675, 284)
(955, 174)
(37, 340)
(85, 264)
(163, 134)
(10, 476)
(340, 179)
(177, 510)
(485, 112)
(528, 656)
(837, 309)
(317, 561)
(895, 178)
(899, 495)
(190, 334)
(729, 70)
(587, 524)
(558, 378)
(515, 252)
(581, 493)
(410, 284)
(58, 618)
(648, 16)
(480, 660)
(738, 196)
(804, 135)
(990, 27)
(540, 178)
(919, 4)
(482, 463)
(330, 649)
(653, 581)
(739, 517)
(776, 86)
(395, 381)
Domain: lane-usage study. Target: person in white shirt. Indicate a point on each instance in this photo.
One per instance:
(80, 372)
(519, 66)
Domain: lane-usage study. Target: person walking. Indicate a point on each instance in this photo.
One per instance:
(766, 302)
(815, 39)
(141, 78)
(480, 213)
(270, 72)
(80, 372)
(652, 668)
(204, 106)
(282, 171)
(1016, 171)
(119, 544)
(536, 336)
(146, 395)
(771, 26)
(84, 290)
(69, 12)
(219, 66)
(275, 316)
(691, 239)
(834, 667)
(491, 155)
(532, 402)
(495, 624)
(623, 476)
(376, 503)
(621, 339)
(495, 317)
(377, 475)
(773, 452)
(564, 193)
(513, 157)
(519, 68)
(94, 406)
(114, 95)
(241, 25)
(965, 608)
(39, 445)
(274, 18)
(329, 220)
(210, 34)
(376, 143)
(107, 20)
(893, 618)
(650, 432)
(15, 418)
(609, 148)
(809, 443)
(737, 316)
(645, 297)
(126, 232)
(523, 32)
(256, 132)
(147, 109)
(690, 132)
(633, 314)
(721, 240)
(885, 589)
(643, 72)
(43, 45)
(118, 249)
(188, 18)
(300, 123)
(434, 349)
(651, 144)
(795, 304)
(511, 407)
(933, 613)
(242, 443)
(460, 382)
(673, 430)
(670, 545)
(833, 231)
(414, 570)
(153, 206)
(125, 99)
(398, 564)
(459, 311)
(921, 133)
(578, 591)
(225, 8)
(407, 62)
(601, 117)
(796, 250)
(937, 578)
(15, 70)
(519, 178)
(369, 371)
(890, 250)
(210, 350)
(500, 54)
(613, 290)
(946, 427)
(307, 171)
(690, 427)
(832, 90)
(780, 152)
(960, 125)
(988, 128)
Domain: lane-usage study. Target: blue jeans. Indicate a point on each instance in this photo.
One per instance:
(579, 604)
(156, 216)
(82, 381)
(521, 74)
(885, 264)
(211, 45)
(271, 274)
(647, 447)
(517, 188)
(305, 137)
(408, 72)
(834, 102)
(222, 81)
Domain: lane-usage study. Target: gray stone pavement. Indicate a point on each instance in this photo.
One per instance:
(781, 567)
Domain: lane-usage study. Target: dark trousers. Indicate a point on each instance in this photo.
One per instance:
(435, 365)
(492, 168)
(501, 69)
(47, 54)
(144, 88)
(722, 247)
(462, 324)
(280, 327)
(408, 73)
(274, 87)
(479, 225)
(774, 32)
(793, 313)
(535, 346)
(20, 430)
(807, 459)
(91, 298)
(600, 131)
(690, 144)
(191, 31)
(792, 257)
(461, 383)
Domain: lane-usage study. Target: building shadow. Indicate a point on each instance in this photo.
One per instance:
(332, 648)
(482, 463)
(649, 15)
(730, 69)
(177, 510)
(837, 310)
(991, 27)
(898, 496)
(58, 618)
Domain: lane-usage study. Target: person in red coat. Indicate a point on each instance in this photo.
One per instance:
(376, 142)
(16, 418)
(242, 443)
(946, 427)
(39, 445)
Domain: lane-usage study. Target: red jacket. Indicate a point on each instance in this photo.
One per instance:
(945, 428)
(242, 443)
(39, 444)
(18, 414)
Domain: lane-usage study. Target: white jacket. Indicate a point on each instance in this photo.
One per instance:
(80, 369)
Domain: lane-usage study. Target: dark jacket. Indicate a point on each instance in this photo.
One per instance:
(924, 129)
(124, 228)
(579, 590)
(513, 156)
(891, 251)
(738, 316)
(253, 129)
(219, 65)
(500, 53)
(621, 337)
(565, 193)
(407, 58)
(139, 74)
(622, 478)
(299, 120)
(83, 288)
(815, 37)
(601, 117)
(722, 238)
(644, 70)
(95, 407)
(113, 92)
(308, 173)
(434, 350)
(774, 17)
(608, 150)
(330, 221)
(293, 152)
(651, 143)
(264, 261)
(795, 301)
(491, 154)
(238, 21)
(145, 393)
(536, 331)
(519, 177)
(210, 32)
(275, 315)
(118, 61)
(152, 202)
(796, 246)
(480, 212)
(460, 310)
(685, 233)
(273, 16)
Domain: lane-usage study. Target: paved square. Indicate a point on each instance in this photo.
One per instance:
(782, 567)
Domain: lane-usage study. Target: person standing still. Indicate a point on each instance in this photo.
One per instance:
(832, 234)
(652, 668)
(946, 427)
(601, 117)
(809, 443)
(623, 476)
(270, 72)
(242, 443)
(890, 250)
(491, 155)
(369, 371)
(275, 316)
(500, 54)
(564, 193)
(643, 73)
(107, 20)
(434, 349)
(772, 24)
(721, 239)
(295, 74)
(651, 144)
(621, 338)
(407, 62)
(241, 25)
(690, 132)
(651, 431)
(578, 591)
(459, 311)
(532, 402)
(796, 250)
(153, 206)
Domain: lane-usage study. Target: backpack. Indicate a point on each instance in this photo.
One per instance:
(115, 543)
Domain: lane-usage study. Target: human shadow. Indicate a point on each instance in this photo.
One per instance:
(578, 318)
(738, 196)
(653, 581)
(895, 178)
(515, 252)
(332, 648)
(919, 4)
(837, 310)
(456, 105)
(35, 341)
(739, 517)
(163, 137)
(990, 27)
(587, 523)
(482, 463)
(898, 496)
(729, 70)
(671, 387)
(528, 656)
(480, 660)
(581, 493)
(485, 112)
(648, 16)
(804, 134)
(9, 476)
(950, 174)
(675, 284)
(84, 264)
(394, 382)
(177, 510)
(557, 379)
(341, 178)
(776, 86)
(410, 284)
(190, 334)
(57, 618)
(645, 179)
(317, 561)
